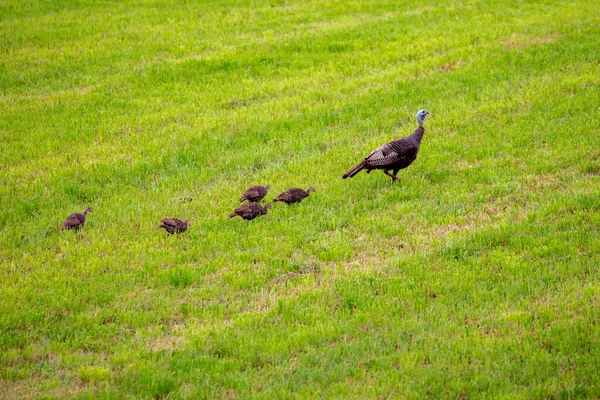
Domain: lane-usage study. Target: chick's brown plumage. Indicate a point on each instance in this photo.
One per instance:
(76, 220)
(255, 194)
(174, 225)
(294, 195)
(250, 211)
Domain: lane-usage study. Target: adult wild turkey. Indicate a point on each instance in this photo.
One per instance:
(255, 194)
(294, 195)
(174, 225)
(75, 220)
(250, 211)
(395, 155)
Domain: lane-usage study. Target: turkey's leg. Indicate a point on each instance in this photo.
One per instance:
(394, 177)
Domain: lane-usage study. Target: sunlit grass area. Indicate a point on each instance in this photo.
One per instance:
(475, 276)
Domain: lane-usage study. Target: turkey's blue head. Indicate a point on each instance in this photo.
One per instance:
(421, 116)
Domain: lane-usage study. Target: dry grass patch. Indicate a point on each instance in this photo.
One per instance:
(521, 40)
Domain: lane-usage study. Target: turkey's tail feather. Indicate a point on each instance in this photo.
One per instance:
(354, 170)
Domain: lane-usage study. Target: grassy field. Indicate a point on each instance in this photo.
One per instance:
(475, 276)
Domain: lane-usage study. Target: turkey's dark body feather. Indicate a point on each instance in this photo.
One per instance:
(395, 155)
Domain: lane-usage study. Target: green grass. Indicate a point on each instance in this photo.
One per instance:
(475, 276)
